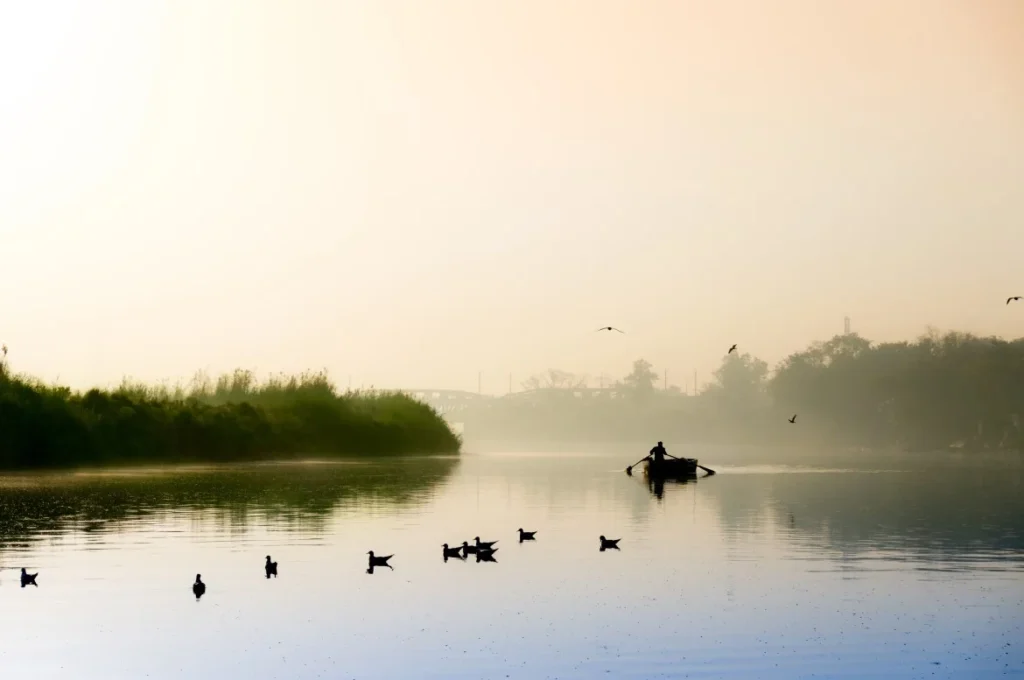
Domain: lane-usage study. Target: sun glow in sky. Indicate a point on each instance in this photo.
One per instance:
(409, 193)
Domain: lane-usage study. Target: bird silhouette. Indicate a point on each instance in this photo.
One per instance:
(198, 588)
(793, 419)
(28, 579)
(482, 545)
(486, 556)
(468, 549)
(270, 567)
(610, 543)
(452, 552)
(380, 561)
(526, 535)
(610, 328)
(1008, 301)
(731, 349)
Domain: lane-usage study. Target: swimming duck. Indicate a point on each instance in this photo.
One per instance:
(379, 561)
(609, 543)
(28, 579)
(526, 535)
(480, 545)
(198, 588)
(270, 567)
(452, 552)
(468, 549)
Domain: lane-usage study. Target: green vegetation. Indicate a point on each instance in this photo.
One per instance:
(951, 390)
(235, 419)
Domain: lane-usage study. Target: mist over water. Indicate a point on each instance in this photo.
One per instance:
(790, 569)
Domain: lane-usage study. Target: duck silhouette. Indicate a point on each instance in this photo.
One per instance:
(486, 556)
(270, 568)
(468, 549)
(28, 579)
(610, 543)
(380, 561)
(455, 552)
(526, 535)
(198, 588)
(481, 545)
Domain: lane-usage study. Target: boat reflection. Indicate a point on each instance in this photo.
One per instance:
(656, 485)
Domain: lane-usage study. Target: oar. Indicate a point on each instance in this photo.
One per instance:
(629, 470)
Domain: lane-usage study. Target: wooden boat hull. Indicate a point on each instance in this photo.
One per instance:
(671, 468)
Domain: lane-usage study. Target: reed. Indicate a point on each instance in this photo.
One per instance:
(233, 418)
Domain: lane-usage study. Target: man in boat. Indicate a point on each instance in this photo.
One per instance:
(659, 453)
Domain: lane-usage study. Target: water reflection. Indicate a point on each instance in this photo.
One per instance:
(656, 485)
(289, 496)
(777, 572)
(925, 513)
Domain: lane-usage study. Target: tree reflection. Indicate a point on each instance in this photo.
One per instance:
(291, 496)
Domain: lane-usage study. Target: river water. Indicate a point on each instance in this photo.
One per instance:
(884, 568)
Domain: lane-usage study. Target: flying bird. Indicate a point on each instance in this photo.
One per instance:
(609, 328)
(793, 419)
(731, 349)
(1008, 301)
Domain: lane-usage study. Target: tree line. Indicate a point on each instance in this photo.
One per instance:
(941, 390)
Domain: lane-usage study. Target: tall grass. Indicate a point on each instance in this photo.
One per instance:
(233, 418)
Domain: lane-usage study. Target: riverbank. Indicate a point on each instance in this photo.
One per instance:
(234, 419)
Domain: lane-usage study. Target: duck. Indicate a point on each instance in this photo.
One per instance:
(28, 579)
(198, 588)
(609, 543)
(526, 535)
(380, 561)
(452, 552)
(468, 549)
(270, 567)
(486, 556)
(481, 545)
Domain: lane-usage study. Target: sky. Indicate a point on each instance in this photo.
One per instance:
(426, 194)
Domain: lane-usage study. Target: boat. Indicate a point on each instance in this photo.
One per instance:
(671, 468)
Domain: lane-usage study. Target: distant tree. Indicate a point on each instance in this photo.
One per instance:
(740, 381)
(555, 379)
(641, 379)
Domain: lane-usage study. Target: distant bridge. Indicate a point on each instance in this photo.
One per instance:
(448, 402)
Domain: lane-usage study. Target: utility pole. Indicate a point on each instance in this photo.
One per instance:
(695, 383)
(846, 325)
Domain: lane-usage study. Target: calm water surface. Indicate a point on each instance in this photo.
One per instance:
(895, 570)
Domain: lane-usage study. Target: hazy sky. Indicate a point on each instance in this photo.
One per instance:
(410, 192)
